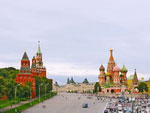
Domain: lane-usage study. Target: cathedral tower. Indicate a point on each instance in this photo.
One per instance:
(111, 63)
(101, 77)
(116, 77)
(124, 75)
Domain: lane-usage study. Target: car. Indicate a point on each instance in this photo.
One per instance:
(85, 105)
(120, 111)
(105, 111)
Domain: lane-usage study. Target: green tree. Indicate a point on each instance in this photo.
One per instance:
(97, 88)
(10, 84)
(45, 82)
(142, 87)
(24, 90)
(68, 81)
(3, 88)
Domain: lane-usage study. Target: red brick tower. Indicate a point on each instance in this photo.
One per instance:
(25, 74)
(33, 67)
(41, 70)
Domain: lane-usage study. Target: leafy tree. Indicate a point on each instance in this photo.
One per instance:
(3, 88)
(24, 90)
(85, 81)
(45, 83)
(9, 72)
(97, 88)
(10, 84)
(142, 87)
(68, 81)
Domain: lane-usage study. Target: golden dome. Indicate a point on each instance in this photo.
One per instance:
(111, 49)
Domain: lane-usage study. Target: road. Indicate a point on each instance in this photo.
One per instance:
(68, 103)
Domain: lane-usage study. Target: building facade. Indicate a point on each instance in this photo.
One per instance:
(133, 81)
(80, 88)
(27, 73)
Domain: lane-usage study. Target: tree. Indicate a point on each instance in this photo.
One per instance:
(10, 84)
(97, 88)
(44, 81)
(3, 88)
(85, 81)
(142, 87)
(68, 81)
(24, 90)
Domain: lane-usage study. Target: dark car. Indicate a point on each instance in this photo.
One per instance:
(85, 105)
(105, 111)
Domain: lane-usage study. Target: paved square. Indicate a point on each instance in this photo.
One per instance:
(69, 103)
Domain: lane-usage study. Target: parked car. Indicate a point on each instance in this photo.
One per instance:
(85, 105)
(105, 111)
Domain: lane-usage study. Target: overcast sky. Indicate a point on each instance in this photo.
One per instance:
(76, 35)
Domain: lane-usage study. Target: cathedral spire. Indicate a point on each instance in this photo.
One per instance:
(111, 55)
(39, 50)
(111, 62)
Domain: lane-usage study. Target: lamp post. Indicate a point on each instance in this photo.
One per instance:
(45, 88)
(50, 89)
(39, 90)
(15, 95)
(30, 96)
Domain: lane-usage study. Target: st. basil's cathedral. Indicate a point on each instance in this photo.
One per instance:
(115, 79)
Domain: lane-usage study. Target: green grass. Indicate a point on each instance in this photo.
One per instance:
(6, 103)
(27, 105)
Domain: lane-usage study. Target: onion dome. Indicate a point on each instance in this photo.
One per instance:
(101, 68)
(108, 74)
(116, 69)
(124, 69)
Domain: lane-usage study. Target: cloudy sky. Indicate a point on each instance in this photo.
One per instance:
(76, 35)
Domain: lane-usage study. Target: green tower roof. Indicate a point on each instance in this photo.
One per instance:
(124, 69)
(39, 50)
(25, 56)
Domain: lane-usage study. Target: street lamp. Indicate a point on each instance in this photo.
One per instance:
(39, 90)
(30, 96)
(45, 88)
(15, 95)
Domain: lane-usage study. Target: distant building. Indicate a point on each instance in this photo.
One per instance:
(133, 81)
(80, 87)
(114, 80)
(148, 85)
(26, 74)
